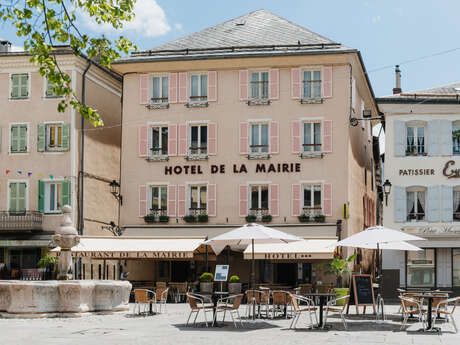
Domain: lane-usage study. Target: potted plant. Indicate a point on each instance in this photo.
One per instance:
(49, 263)
(206, 284)
(267, 218)
(203, 218)
(320, 218)
(163, 219)
(234, 285)
(251, 218)
(304, 218)
(150, 218)
(339, 267)
(190, 218)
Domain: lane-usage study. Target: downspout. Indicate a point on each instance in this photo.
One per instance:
(121, 146)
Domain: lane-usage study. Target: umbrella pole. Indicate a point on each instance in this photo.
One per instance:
(207, 268)
(253, 280)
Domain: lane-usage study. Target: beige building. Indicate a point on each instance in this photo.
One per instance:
(44, 163)
(247, 121)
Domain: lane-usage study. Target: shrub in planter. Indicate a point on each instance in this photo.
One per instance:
(164, 219)
(304, 218)
(267, 218)
(339, 267)
(234, 279)
(203, 218)
(190, 219)
(320, 218)
(234, 285)
(250, 218)
(149, 218)
(206, 283)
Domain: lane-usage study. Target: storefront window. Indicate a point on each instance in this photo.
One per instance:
(421, 268)
(456, 266)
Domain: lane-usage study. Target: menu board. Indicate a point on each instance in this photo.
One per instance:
(221, 273)
(361, 292)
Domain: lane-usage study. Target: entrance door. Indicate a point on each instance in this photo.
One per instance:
(180, 271)
(286, 273)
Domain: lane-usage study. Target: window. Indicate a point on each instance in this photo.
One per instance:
(415, 140)
(198, 87)
(259, 199)
(259, 138)
(456, 204)
(49, 92)
(159, 141)
(198, 139)
(456, 138)
(421, 268)
(53, 197)
(259, 85)
(312, 199)
(18, 138)
(416, 204)
(53, 137)
(312, 84)
(198, 199)
(159, 200)
(455, 267)
(160, 89)
(311, 136)
(19, 86)
(17, 197)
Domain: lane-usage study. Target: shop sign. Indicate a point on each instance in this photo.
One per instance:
(450, 172)
(434, 230)
(133, 255)
(263, 168)
(416, 172)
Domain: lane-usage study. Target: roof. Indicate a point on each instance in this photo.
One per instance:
(448, 93)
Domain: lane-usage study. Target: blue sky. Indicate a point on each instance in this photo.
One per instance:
(387, 32)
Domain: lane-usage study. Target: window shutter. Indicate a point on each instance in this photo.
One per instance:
(143, 141)
(181, 202)
(244, 138)
(445, 137)
(182, 140)
(13, 196)
(274, 200)
(274, 137)
(142, 200)
(296, 198)
(353, 93)
(327, 136)
(295, 83)
(41, 196)
(14, 139)
(244, 88)
(326, 83)
(212, 138)
(14, 86)
(65, 136)
(243, 200)
(212, 86)
(447, 203)
(211, 205)
(182, 90)
(434, 199)
(172, 80)
(41, 137)
(296, 136)
(144, 89)
(22, 139)
(400, 204)
(172, 200)
(327, 199)
(172, 140)
(66, 193)
(274, 82)
(24, 85)
(433, 137)
(399, 138)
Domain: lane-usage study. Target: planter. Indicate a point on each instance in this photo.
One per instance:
(149, 219)
(203, 218)
(251, 219)
(234, 288)
(340, 292)
(320, 218)
(190, 219)
(163, 219)
(304, 219)
(206, 287)
(267, 219)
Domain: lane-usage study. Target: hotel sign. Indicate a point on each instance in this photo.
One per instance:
(197, 169)
(287, 256)
(133, 255)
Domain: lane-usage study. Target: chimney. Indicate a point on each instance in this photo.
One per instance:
(5, 46)
(397, 88)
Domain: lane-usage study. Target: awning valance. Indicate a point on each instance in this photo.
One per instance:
(135, 248)
(300, 250)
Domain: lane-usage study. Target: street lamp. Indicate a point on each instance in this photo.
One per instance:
(386, 190)
(115, 190)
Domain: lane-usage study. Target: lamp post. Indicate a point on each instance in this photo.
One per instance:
(386, 190)
(115, 190)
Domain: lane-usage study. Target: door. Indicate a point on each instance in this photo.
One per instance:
(17, 197)
(180, 271)
(286, 274)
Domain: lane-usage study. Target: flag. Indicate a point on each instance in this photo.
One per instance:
(7, 171)
(29, 173)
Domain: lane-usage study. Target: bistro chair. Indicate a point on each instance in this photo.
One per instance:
(142, 298)
(279, 298)
(298, 310)
(332, 307)
(443, 308)
(160, 284)
(181, 291)
(161, 297)
(229, 304)
(304, 289)
(196, 304)
(252, 297)
(412, 306)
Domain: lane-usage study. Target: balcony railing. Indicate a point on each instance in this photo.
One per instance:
(259, 212)
(312, 211)
(197, 211)
(28, 220)
(157, 212)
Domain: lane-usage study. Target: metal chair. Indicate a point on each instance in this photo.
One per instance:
(161, 295)
(181, 291)
(141, 297)
(333, 307)
(411, 306)
(230, 304)
(298, 310)
(280, 298)
(443, 308)
(196, 304)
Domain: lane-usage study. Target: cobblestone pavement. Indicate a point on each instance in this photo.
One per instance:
(168, 328)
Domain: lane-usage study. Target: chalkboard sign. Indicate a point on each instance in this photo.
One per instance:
(361, 292)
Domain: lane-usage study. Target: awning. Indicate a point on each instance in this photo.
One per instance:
(300, 250)
(135, 248)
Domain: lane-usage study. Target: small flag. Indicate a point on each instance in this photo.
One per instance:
(29, 173)
(51, 177)
(40, 175)
(20, 172)
(7, 171)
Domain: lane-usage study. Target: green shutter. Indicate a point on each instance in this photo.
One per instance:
(65, 193)
(41, 131)
(22, 138)
(13, 197)
(21, 197)
(65, 136)
(14, 139)
(24, 85)
(41, 196)
(15, 86)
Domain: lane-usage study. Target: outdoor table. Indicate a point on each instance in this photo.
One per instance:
(323, 297)
(430, 297)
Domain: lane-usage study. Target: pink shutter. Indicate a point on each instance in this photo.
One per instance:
(244, 75)
(296, 200)
(172, 200)
(212, 86)
(144, 81)
(142, 200)
(326, 76)
(172, 98)
(274, 82)
(327, 136)
(183, 81)
(244, 138)
(143, 141)
(182, 140)
(211, 200)
(243, 199)
(181, 202)
(274, 137)
(295, 83)
(172, 140)
(274, 200)
(327, 199)
(296, 136)
(212, 139)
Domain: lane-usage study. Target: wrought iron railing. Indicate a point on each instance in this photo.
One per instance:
(196, 211)
(312, 211)
(157, 212)
(259, 212)
(27, 220)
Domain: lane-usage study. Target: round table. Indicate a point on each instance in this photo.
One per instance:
(430, 297)
(323, 298)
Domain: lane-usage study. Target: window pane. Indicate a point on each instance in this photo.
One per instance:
(307, 136)
(194, 139)
(254, 85)
(156, 88)
(317, 196)
(194, 197)
(421, 204)
(155, 138)
(203, 197)
(254, 137)
(59, 136)
(264, 197)
(164, 89)
(421, 139)
(155, 198)
(317, 133)
(194, 91)
(317, 84)
(307, 196)
(264, 130)
(410, 203)
(420, 268)
(58, 196)
(164, 140)
(456, 205)
(52, 136)
(52, 197)
(204, 86)
(204, 138)
(164, 198)
(254, 196)
(264, 85)
(306, 84)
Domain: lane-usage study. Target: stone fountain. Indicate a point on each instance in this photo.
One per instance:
(63, 297)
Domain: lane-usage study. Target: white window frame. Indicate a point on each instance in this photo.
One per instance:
(9, 137)
(161, 76)
(189, 196)
(312, 69)
(150, 196)
(313, 184)
(416, 190)
(455, 189)
(415, 125)
(47, 135)
(157, 125)
(200, 91)
(260, 89)
(8, 192)
(189, 138)
(29, 91)
(455, 124)
(47, 195)
(260, 122)
(259, 197)
(312, 121)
